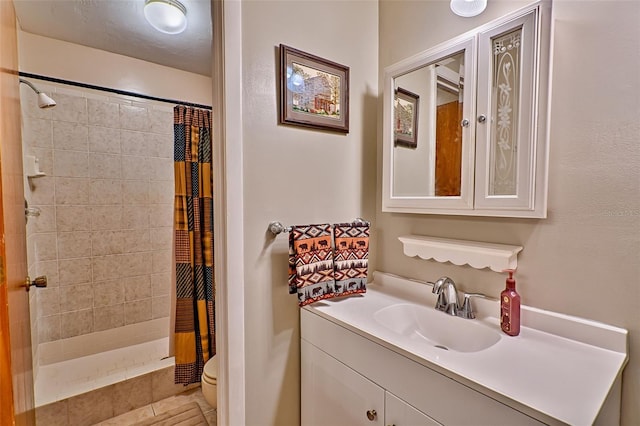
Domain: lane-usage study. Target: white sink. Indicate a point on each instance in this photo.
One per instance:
(437, 328)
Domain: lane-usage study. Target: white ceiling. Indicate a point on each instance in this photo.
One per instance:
(119, 26)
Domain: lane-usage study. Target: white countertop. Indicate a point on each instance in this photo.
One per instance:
(560, 366)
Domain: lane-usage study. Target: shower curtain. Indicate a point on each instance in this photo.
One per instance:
(193, 226)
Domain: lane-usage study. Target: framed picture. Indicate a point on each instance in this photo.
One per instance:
(314, 92)
(406, 118)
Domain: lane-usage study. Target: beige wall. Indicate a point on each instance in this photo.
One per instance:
(297, 176)
(68, 61)
(583, 259)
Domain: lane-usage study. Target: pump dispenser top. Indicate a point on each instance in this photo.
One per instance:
(511, 283)
(510, 307)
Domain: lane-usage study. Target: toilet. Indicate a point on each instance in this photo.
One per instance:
(210, 382)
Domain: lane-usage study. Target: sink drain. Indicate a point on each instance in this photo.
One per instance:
(442, 347)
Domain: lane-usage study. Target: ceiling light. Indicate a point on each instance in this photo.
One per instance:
(468, 8)
(167, 16)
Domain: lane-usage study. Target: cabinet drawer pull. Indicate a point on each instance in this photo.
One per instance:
(372, 414)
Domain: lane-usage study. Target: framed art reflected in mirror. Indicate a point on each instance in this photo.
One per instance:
(405, 118)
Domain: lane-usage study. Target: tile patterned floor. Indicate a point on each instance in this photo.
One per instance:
(162, 406)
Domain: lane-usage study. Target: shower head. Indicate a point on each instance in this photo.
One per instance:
(44, 101)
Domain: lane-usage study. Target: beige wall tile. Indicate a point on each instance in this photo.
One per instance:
(70, 136)
(75, 298)
(136, 288)
(47, 302)
(104, 139)
(106, 268)
(105, 191)
(106, 217)
(74, 271)
(42, 190)
(135, 264)
(76, 323)
(163, 386)
(102, 113)
(45, 160)
(136, 240)
(106, 242)
(105, 166)
(161, 169)
(161, 192)
(164, 145)
(49, 328)
(137, 311)
(134, 118)
(161, 238)
(160, 307)
(55, 414)
(135, 192)
(107, 317)
(46, 222)
(161, 284)
(72, 190)
(131, 394)
(73, 244)
(92, 407)
(73, 218)
(37, 133)
(45, 246)
(107, 293)
(161, 121)
(162, 260)
(160, 217)
(135, 167)
(70, 108)
(134, 143)
(135, 217)
(70, 163)
(49, 268)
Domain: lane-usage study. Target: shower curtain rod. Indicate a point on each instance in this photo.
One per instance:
(110, 90)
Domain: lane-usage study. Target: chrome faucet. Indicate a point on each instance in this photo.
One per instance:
(447, 294)
(447, 301)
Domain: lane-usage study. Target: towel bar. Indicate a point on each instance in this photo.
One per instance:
(277, 227)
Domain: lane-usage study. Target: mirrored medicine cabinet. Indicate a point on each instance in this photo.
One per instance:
(465, 122)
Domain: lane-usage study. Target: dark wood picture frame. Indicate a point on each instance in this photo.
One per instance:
(314, 92)
(405, 118)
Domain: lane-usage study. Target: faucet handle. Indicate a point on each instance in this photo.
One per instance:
(467, 309)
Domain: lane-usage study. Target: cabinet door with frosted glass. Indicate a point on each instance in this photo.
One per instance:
(508, 115)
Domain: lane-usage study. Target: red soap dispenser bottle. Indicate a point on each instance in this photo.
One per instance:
(510, 307)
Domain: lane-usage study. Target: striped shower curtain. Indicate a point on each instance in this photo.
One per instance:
(193, 225)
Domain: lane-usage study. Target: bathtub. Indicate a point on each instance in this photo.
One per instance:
(81, 364)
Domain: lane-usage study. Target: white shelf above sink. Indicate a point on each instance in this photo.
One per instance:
(479, 255)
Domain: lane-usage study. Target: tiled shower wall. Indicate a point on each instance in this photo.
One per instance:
(104, 235)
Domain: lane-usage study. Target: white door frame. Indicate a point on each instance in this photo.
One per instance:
(228, 209)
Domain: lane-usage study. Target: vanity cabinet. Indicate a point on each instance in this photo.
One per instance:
(345, 375)
(334, 394)
(465, 122)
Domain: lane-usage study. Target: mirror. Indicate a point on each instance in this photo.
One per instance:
(427, 153)
(465, 128)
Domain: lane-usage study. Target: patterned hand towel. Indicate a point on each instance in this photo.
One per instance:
(311, 263)
(351, 257)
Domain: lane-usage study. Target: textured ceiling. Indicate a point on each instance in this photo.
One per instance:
(119, 26)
